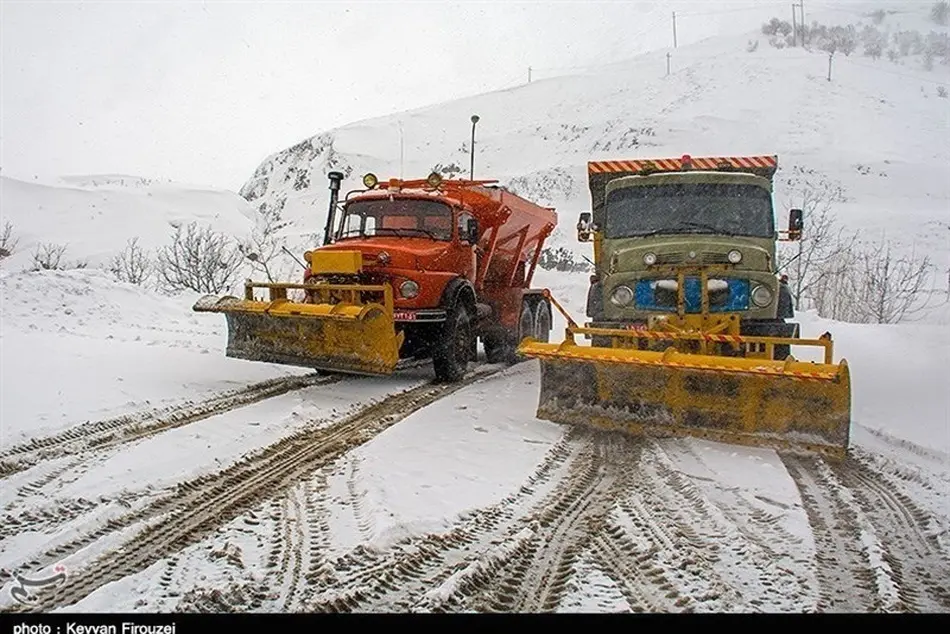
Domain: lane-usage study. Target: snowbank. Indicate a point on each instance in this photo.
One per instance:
(79, 346)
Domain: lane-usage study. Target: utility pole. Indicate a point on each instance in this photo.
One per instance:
(471, 175)
(801, 14)
(794, 27)
(529, 74)
(668, 55)
(674, 29)
(402, 152)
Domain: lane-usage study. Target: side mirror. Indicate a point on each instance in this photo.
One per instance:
(584, 227)
(795, 224)
(472, 229)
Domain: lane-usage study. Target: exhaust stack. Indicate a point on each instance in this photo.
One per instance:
(335, 179)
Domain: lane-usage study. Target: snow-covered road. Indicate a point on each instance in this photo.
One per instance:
(269, 489)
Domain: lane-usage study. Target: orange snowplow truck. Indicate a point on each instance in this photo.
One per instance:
(408, 270)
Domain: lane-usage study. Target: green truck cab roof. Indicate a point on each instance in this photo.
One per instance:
(686, 178)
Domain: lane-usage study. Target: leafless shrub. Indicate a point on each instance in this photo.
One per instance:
(132, 265)
(561, 259)
(776, 27)
(263, 248)
(893, 55)
(885, 288)
(874, 42)
(199, 259)
(7, 241)
(752, 46)
(909, 42)
(450, 171)
(807, 260)
(940, 12)
(51, 257)
(938, 45)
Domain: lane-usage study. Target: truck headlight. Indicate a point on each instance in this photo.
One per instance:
(408, 289)
(621, 296)
(735, 256)
(649, 259)
(761, 296)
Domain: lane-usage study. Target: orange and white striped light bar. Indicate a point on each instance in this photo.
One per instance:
(683, 163)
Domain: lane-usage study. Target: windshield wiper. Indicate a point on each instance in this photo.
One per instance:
(425, 231)
(703, 225)
(396, 231)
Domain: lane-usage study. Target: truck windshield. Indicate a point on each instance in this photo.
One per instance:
(725, 209)
(399, 217)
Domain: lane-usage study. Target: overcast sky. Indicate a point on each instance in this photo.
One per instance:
(201, 92)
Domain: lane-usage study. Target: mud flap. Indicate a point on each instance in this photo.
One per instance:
(784, 405)
(357, 339)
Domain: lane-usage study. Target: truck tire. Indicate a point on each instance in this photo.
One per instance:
(502, 347)
(452, 354)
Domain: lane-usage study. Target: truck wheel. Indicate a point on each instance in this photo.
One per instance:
(496, 346)
(501, 348)
(542, 322)
(453, 353)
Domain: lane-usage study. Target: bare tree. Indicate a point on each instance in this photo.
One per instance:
(837, 39)
(822, 241)
(199, 259)
(264, 248)
(7, 241)
(939, 12)
(887, 288)
(132, 265)
(49, 257)
(831, 292)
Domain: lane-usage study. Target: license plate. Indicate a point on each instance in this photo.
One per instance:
(404, 315)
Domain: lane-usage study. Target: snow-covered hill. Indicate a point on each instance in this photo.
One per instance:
(95, 216)
(880, 129)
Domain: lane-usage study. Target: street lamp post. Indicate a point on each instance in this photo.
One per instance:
(471, 175)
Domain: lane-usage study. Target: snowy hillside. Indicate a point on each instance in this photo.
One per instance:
(93, 217)
(879, 129)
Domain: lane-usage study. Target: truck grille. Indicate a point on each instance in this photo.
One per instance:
(714, 258)
(724, 295)
(706, 257)
(669, 258)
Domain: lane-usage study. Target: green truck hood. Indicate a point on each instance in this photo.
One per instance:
(626, 254)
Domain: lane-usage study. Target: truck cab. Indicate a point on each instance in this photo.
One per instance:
(711, 231)
(415, 242)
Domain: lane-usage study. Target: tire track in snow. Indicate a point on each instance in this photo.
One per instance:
(403, 578)
(846, 578)
(921, 570)
(706, 550)
(110, 432)
(299, 539)
(536, 579)
(669, 537)
(202, 505)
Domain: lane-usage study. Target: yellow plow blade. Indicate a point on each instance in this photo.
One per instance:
(783, 404)
(339, 337)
